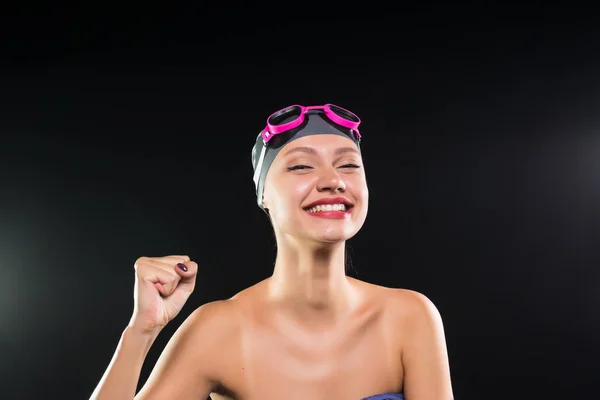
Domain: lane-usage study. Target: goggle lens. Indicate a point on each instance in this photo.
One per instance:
(284, 116)
(342, 113)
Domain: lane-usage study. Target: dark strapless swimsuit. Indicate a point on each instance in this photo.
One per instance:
(382, 396)
(385, 396)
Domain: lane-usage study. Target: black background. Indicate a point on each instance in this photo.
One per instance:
(128, 132)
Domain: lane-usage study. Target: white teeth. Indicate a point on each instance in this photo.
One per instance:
(327, 207)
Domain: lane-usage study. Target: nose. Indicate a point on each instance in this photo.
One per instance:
(330, 181)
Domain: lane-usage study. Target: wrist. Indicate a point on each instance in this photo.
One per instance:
(138, 341)
(138, 327)
(141, 334)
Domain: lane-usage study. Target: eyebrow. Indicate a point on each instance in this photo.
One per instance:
(310, 150)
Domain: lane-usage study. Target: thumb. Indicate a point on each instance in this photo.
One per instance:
(177, 299)
(187, 271)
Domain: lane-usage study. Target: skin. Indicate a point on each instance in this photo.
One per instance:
(308, 331)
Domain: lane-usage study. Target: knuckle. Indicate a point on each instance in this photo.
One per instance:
(171, 276)
(140, 261)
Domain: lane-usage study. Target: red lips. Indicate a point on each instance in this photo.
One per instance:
(333, 214)
(330, 200)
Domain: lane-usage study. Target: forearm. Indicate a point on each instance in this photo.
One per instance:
(120, 380)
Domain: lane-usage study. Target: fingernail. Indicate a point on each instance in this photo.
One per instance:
(182, 267)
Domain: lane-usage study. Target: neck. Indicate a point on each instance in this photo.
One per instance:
(310, 279)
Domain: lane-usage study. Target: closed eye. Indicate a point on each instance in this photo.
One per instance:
(297, 167)
(350, 166)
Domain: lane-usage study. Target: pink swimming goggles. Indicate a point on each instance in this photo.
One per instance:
(291, 117)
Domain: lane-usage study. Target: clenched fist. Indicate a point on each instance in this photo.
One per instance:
(162, 286)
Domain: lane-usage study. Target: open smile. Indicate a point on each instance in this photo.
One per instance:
(332, 208)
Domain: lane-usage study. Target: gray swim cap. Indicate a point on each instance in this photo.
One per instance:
(315, 123)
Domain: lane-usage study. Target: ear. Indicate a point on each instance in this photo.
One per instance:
(264, 203)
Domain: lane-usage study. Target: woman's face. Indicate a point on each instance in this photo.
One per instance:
(307, 174)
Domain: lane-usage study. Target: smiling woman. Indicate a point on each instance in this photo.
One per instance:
(308, 331)
(323, 183)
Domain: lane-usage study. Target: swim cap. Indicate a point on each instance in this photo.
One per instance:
(315, 123)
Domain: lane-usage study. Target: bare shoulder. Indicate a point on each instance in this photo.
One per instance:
(417, 334)
(410, 301)
(423, 351)
(226, 313)
(192, 363)
(402, 302)
(223, 315)
(213, 315)
(215, 325)
(414, 314)
(413, 306)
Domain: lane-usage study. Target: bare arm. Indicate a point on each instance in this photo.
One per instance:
(425, 356)
(183, 370)
(123, 373)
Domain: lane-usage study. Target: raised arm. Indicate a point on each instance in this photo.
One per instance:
(424, 353)
(123, 373)
(162, 286)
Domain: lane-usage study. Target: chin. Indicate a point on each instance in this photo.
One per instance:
(332, 235)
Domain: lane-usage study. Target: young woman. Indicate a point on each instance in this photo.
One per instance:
(307, 332)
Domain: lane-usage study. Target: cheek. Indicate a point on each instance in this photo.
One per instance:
(361, 193)
(294, 195)
(365, 196)
(360, 190)
(288, 196)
